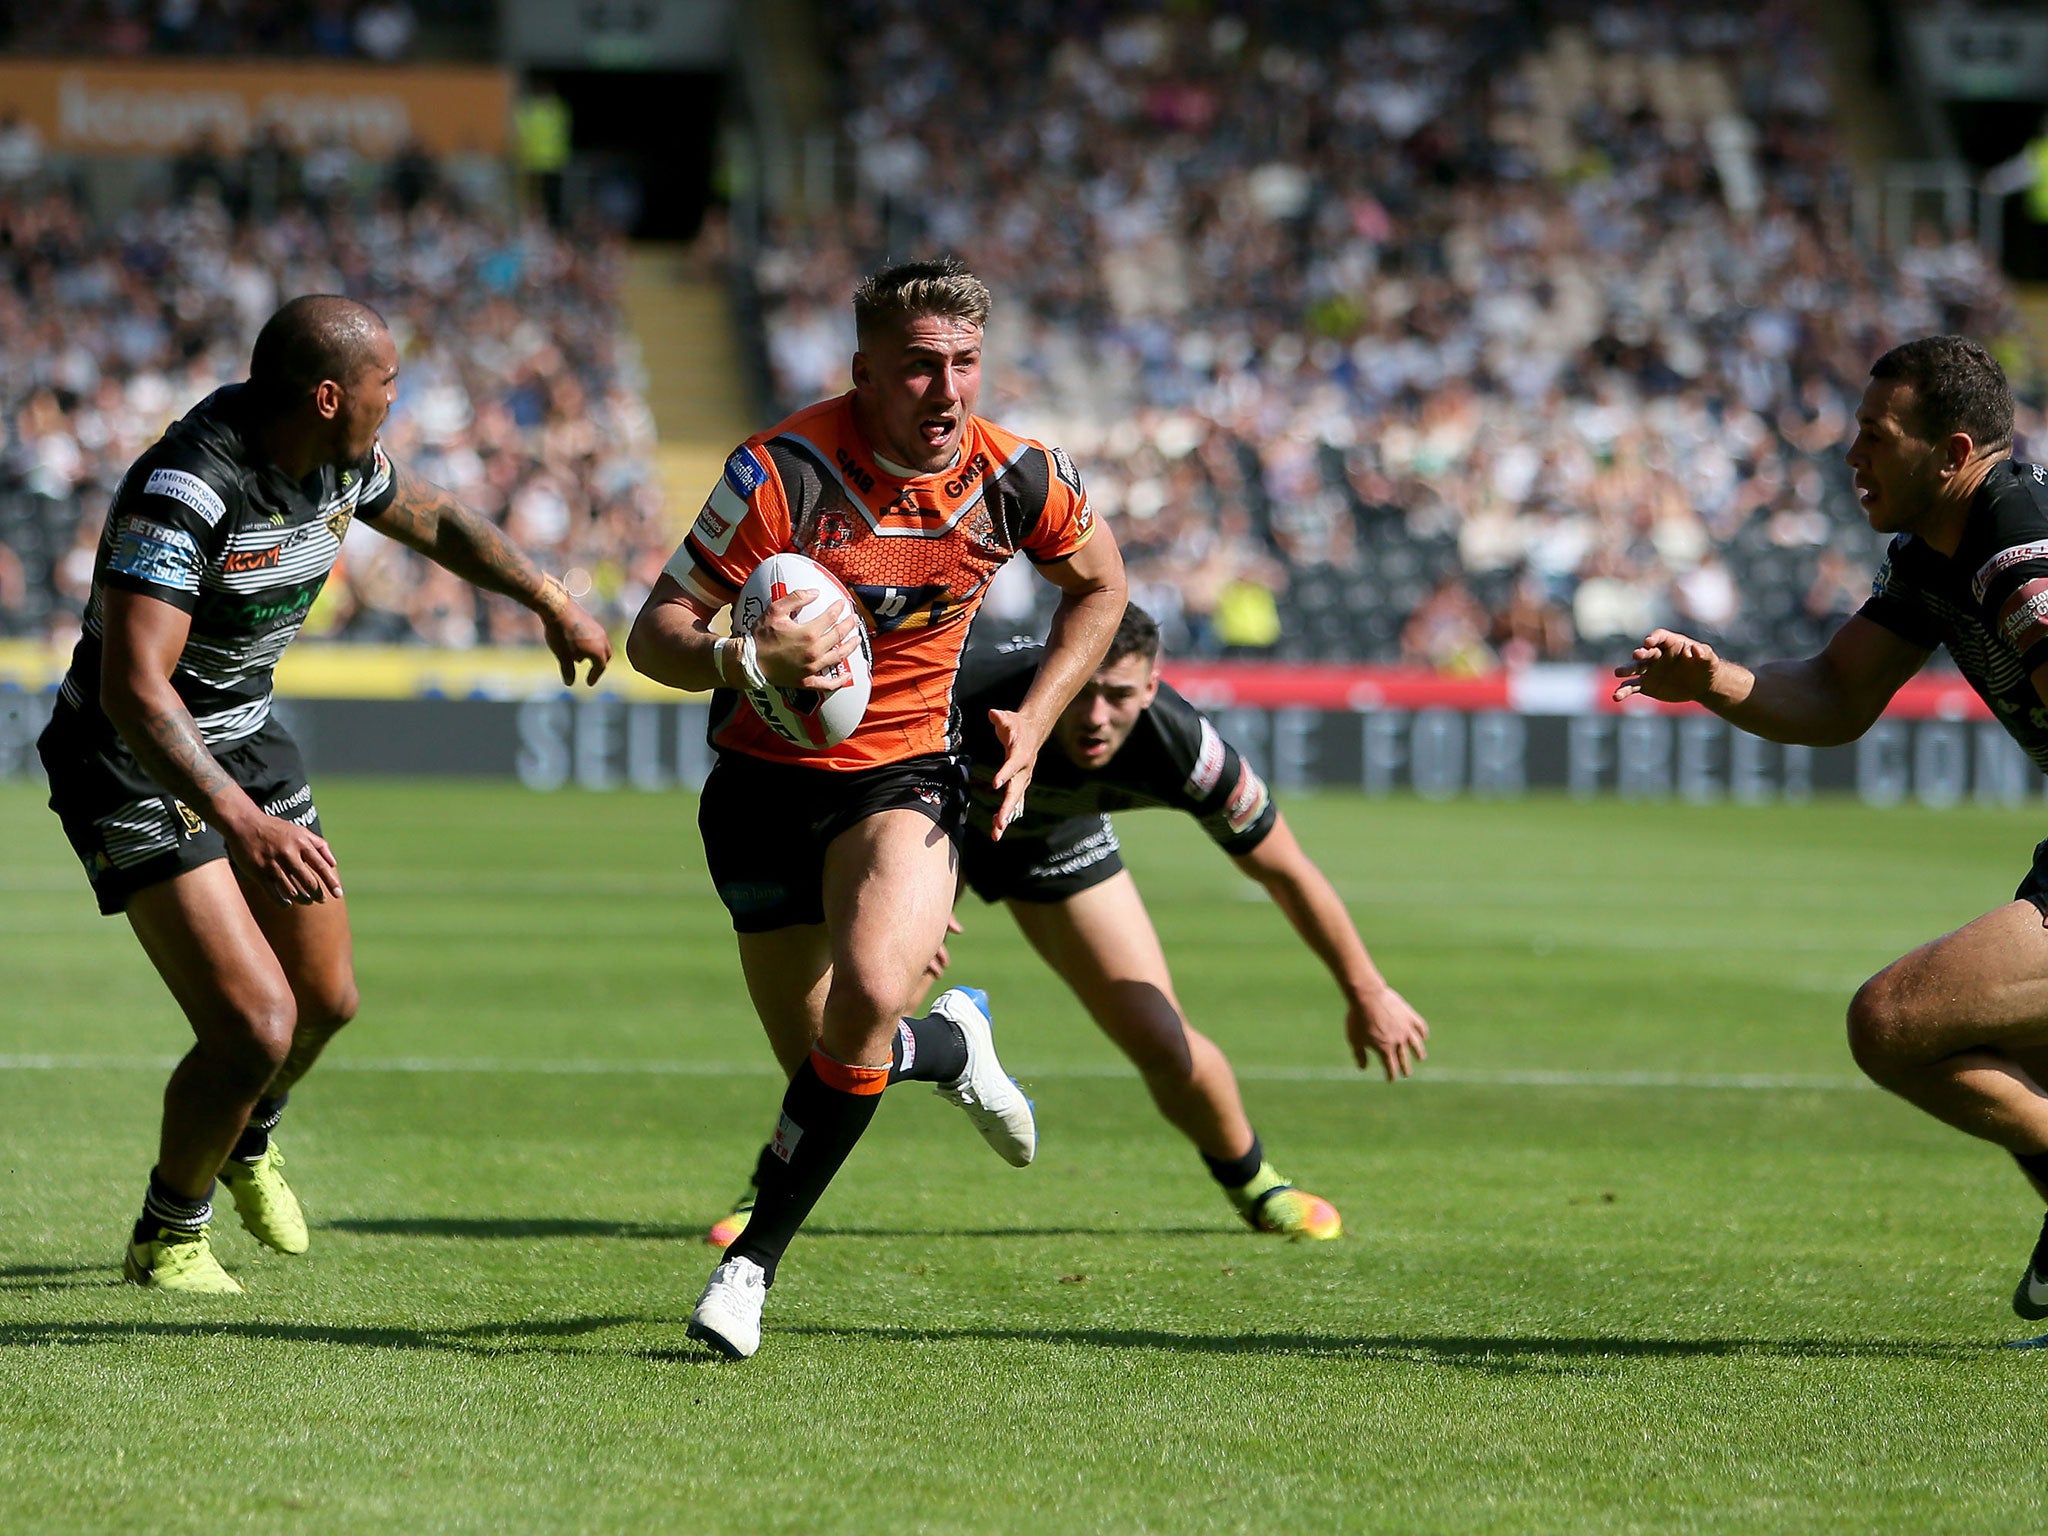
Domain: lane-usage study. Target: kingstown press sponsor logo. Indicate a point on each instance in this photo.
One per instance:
(1249, 801)
(190, 489)
(2024, 619)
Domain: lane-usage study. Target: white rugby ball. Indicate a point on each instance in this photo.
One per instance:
(806, 717)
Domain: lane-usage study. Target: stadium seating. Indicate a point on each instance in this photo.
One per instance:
(1549, 291)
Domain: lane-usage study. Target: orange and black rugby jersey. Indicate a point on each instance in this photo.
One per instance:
(917, 554)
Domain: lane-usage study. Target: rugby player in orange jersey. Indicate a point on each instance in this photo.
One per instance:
(838, 865)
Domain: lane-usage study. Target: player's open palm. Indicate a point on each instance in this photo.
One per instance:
(291, 862)
(806, 653)
(1674, 668)
(1388, 1028)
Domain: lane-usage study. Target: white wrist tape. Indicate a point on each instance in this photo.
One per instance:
(750, 664)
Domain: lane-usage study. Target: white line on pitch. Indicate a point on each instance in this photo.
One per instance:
(593, 1067)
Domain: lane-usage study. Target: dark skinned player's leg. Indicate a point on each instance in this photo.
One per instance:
(888, 885)
(206, 944)
(212, 953)
(312, 942)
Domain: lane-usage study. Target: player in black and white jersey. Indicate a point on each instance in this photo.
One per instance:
(1959, 1026)
(185, 800)
(1128, 741)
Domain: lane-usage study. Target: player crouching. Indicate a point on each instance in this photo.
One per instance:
(1129, 741)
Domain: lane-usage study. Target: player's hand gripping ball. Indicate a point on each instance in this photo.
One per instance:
(807, 717)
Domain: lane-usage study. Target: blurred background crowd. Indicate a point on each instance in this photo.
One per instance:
(1465, 334)
(381, 30)
(519, 388)
(1432, 331)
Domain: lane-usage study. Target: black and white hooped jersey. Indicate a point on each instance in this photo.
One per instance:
(1174, 758)
(240, 546)
(1988, 602)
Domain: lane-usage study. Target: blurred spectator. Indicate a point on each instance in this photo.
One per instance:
(518, 389)
(1447, 633)
(21, 151)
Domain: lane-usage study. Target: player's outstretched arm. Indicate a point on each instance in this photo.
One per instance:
(424, 517)
(673, 643)
(1378, 1021)
(1093, 596)
(1822, 701)
(143, 640)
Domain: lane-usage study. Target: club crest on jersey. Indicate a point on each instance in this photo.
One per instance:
(835, 531)
(338, 521)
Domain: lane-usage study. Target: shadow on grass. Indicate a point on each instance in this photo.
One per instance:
(35, 1277)
(1502, 1354)
(1509, 1354)
(488, 1340)
(503, 1227)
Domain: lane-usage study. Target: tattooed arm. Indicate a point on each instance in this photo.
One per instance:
(424, 517)
(144, 639)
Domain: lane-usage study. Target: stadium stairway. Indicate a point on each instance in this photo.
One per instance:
(696, 376)
(2033, 307)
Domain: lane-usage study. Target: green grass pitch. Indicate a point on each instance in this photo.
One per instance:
(1638, 1255)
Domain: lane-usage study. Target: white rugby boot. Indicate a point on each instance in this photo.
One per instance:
(728, 1315)
(990, 1096)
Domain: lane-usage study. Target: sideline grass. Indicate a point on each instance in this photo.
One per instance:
(1576, 1307)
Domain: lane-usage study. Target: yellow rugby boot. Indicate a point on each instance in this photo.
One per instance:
(733, 1223)
(173, 1262)
(1270, 1204)
(268, 1208)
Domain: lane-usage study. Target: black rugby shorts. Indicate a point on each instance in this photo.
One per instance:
(1064, 860)
(128, 833)
(766, 826)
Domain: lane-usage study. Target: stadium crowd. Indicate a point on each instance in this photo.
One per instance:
(377, 30)
(1462, 333)
(520, 391)
(1465, 334)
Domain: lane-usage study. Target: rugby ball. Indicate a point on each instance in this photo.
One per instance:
(806, 717)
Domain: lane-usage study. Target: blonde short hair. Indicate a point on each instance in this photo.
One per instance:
(914, 289)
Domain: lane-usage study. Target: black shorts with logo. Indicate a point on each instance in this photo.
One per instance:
(128, 833)
(766, 826)
(1064, 860)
